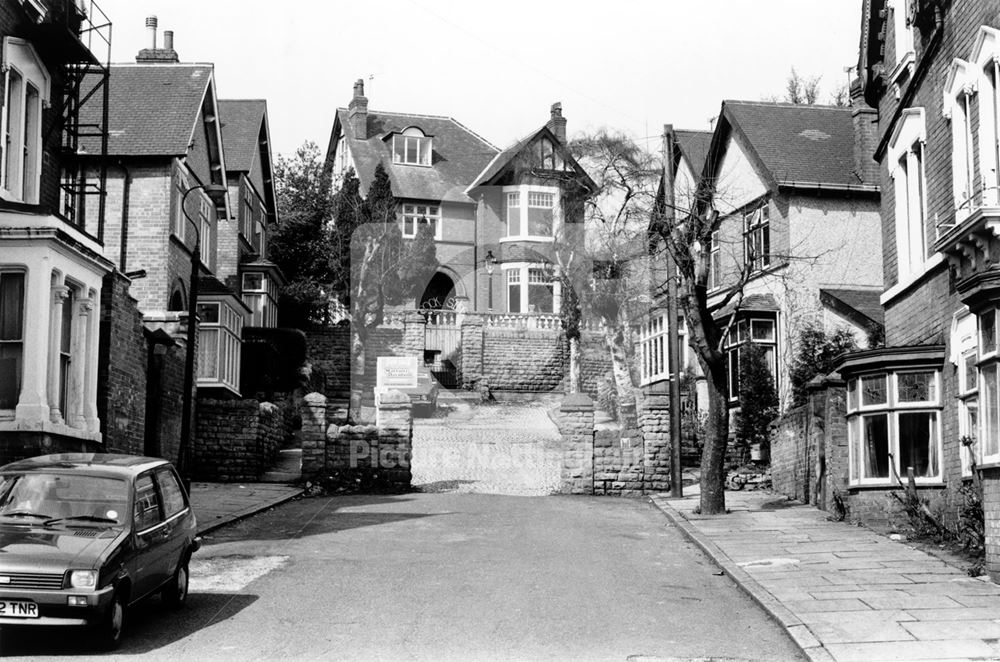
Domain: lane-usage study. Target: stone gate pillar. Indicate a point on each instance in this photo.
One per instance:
(414, 328)
(472, 350)
(395, 441)
(313, 434)
(655, 424)
(577, 427)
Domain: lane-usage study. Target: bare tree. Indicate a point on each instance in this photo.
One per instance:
(616, 288)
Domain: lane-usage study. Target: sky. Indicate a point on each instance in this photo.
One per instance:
(627, 65)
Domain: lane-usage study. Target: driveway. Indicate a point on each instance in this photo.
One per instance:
(497, 448)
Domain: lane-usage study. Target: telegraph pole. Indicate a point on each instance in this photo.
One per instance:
(673, 337)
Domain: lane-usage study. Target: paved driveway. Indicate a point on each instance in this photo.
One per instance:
(500, 448)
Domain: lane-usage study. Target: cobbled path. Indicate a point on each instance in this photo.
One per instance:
(501, 448)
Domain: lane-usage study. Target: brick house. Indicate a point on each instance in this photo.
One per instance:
(52, 263)
(170, 135)
(929, 69)
(486, 205)
(799, 230)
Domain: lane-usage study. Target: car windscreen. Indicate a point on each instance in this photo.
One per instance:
(66, 497)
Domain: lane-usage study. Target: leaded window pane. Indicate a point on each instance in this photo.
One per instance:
(916, 387)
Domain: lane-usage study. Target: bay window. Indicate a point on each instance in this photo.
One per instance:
(531, 212)
(989, 374)
(894, 424)
(531, 288)
(653, 339)
(221, 325)
(26, 82)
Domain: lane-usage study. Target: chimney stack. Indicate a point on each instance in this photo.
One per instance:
(865, 121)
(557, 123)
(357, 111)
(151, 31)
(152, 54)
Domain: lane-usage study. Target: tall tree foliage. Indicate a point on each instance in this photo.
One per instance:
(616, 214)
(816, 354)
(758, 397)
(381, 269)
(301, 245)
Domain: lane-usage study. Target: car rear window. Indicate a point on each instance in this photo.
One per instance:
(64, 495)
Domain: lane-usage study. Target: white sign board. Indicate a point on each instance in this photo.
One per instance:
(396, 372)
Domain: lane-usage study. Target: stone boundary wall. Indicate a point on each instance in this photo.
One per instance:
(359, 457)
(507, 359)
(614, 462)
(236, 440)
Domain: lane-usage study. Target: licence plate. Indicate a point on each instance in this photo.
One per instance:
(18, 609)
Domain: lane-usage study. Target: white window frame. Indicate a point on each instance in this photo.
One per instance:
(416, 140)
(714, 263)
(907, 168)
(180, 188)
(957, 107)
(757, 236)
(965, 357)
(222, 338)
(523, 196)
(902, 40)
(741, 334)
(989, 360)
(21, 59)
(891, 409)
(520, 273)
(986, 68)
(654, 346)
(413, 213)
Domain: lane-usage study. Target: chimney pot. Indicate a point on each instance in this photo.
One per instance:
(557, 123)
(357, 111)
(151, 25)
(168, 40)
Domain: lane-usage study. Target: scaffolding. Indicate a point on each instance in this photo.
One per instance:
(82, 33)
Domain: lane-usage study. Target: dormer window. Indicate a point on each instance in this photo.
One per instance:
(411, 147)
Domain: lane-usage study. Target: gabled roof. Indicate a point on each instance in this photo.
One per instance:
(459, 155)
(241, 126)
(860, 306)
(508, 156)
(694, 146)
(792, 145)
(152, 108)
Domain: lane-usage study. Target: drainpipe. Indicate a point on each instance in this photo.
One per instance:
(126, 187)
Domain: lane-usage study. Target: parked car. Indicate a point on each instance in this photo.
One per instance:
(85, 535)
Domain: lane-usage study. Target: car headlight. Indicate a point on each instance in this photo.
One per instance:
(83, 578)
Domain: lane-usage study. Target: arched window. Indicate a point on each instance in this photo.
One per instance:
(412, 147)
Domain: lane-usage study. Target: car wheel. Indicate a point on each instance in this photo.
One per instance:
(110, 630)
(176, 592)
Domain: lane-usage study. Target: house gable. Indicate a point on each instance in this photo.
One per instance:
(738, 182)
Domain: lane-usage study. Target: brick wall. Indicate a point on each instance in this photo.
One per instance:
(791, 464)
(236, 440)
(122, 362)
(991, 517)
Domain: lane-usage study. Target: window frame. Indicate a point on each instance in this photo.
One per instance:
(411, 212)
(21, 152)
(520, 274)
(18, 343)
(225, 333)
(757, 236)
(523, 195)
(892, 409)
(423, 148)
(906, 152)
(741, 334)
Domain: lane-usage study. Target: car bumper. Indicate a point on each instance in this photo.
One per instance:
(53, 607)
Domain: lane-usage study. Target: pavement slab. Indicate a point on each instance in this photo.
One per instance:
(844, 593)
